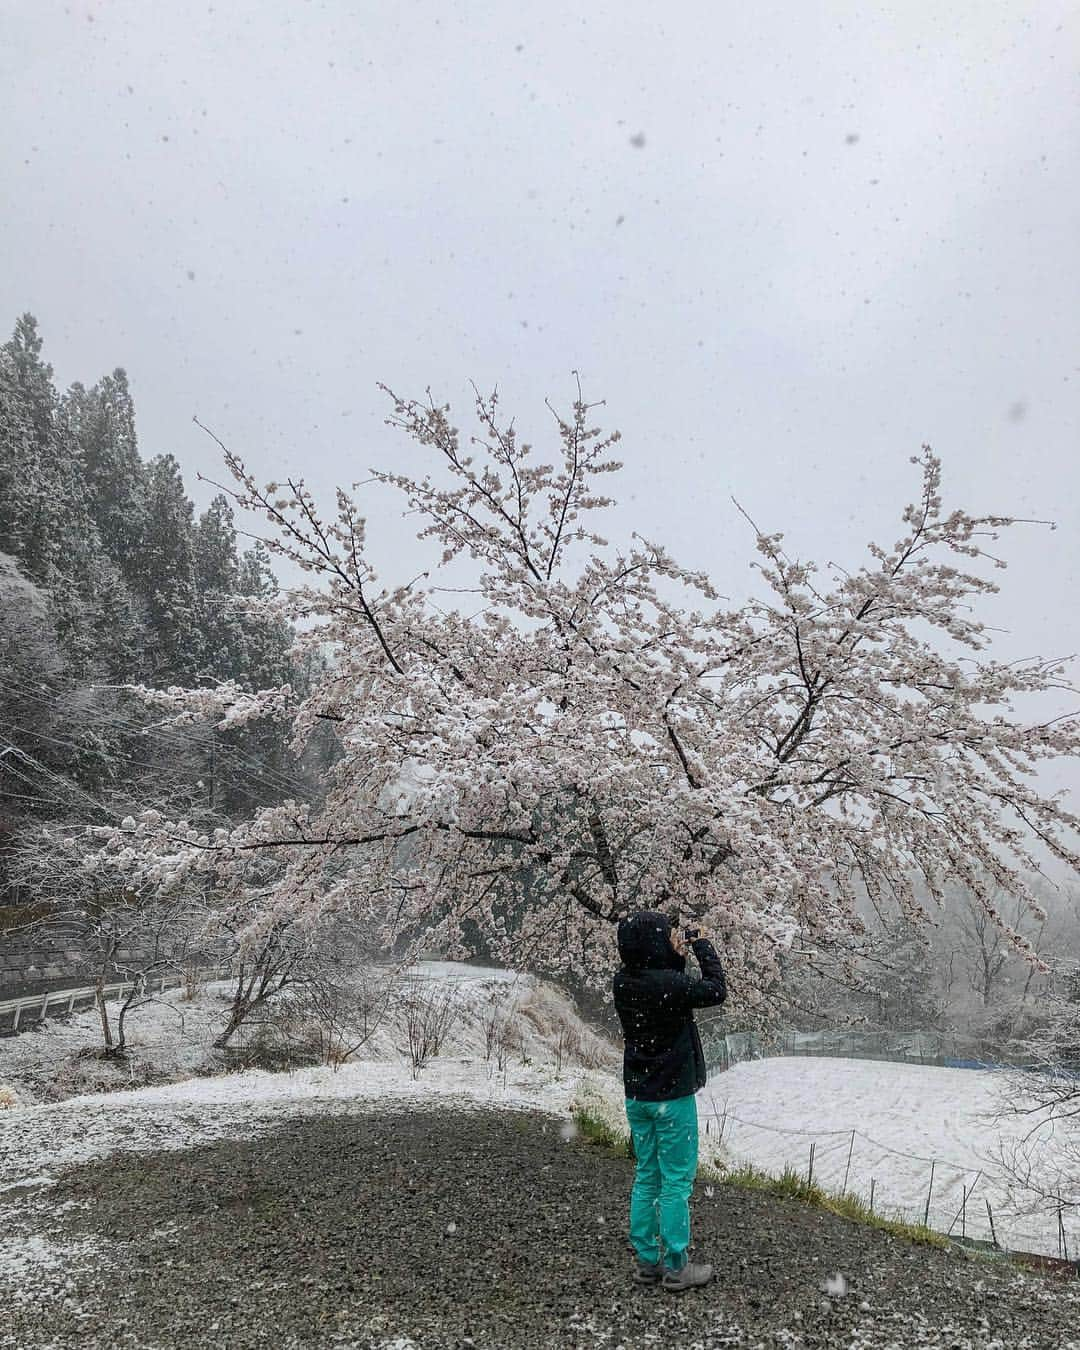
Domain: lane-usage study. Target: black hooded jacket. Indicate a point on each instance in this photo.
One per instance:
(655, 1000)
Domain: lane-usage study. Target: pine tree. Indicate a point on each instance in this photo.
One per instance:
(267, 640)
(107, 579)
(101, 425)
(167, 576)
(217, 578)
(38, 498)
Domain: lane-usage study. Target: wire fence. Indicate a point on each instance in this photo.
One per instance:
(963, 1201)
(722, 1050)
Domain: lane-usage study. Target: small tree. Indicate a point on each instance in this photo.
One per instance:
(1044, 1092)
(263, 968)
(500, 1025)
(129, 939)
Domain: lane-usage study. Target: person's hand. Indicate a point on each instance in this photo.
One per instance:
(678, 942)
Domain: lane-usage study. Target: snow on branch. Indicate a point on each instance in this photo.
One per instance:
(603, 731)
(223, 706)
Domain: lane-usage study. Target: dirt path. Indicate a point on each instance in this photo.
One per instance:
(450, 1227)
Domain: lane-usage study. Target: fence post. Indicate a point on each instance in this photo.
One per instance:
(929, 1193)
(810, 1173)
(847, 1169)
(871, 1195)
(990, 1216)
(961, 1213)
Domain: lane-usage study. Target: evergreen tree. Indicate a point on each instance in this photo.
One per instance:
(41, 499)
(106, 579)
(267, 640)
(167, 576)
(100, 422)
(217, 579)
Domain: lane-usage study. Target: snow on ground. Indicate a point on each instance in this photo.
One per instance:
(904, 1117)
(37, 1141)
(767, 1112)
(169, 1037)
(39, 1137)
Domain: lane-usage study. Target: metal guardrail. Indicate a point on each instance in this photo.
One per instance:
(18, 1006)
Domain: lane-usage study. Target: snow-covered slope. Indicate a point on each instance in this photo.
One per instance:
(551, 1053)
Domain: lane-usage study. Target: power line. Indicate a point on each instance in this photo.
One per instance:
(253, 769)
(125, 724)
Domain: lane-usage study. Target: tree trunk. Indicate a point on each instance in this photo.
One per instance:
(239, 1011)
(124, 1008)
(106, 1030)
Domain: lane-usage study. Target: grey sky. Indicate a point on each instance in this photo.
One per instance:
(849, 230)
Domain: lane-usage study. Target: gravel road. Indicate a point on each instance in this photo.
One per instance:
(452, 1227)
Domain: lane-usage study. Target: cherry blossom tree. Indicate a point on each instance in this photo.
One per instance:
(593, 729)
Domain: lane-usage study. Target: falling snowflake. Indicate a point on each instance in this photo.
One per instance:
(568, 1130)
(451, 1228)
(836, 1286)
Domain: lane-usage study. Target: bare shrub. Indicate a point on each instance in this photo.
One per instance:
(504, 1044)
(429, 1015)
(95, 1069)
(498, 1021)
(194, 981)
(345, 1014)
(278, 1038)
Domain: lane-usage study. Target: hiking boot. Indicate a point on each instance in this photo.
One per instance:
(691, 1276)
(647, 1272)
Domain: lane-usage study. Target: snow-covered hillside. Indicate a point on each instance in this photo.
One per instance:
(905, 1117)
(171, 1040)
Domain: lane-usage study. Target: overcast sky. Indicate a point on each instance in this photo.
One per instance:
(787, 243)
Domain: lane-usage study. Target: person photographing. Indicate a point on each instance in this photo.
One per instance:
(663, 1070)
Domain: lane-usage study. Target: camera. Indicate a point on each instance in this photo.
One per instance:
(691, 934)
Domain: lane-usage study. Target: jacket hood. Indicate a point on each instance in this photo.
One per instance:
(645, 942)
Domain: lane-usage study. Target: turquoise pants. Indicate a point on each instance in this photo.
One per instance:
(665, 1136)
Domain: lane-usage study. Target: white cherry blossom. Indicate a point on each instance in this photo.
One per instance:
(597, 731)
